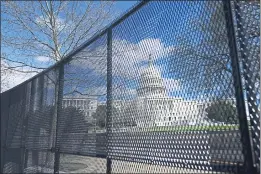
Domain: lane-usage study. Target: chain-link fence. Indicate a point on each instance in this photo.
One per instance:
(170, 87)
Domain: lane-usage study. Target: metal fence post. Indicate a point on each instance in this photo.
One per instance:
(250, 95)
(31, 106)
(26, 150)
(6, 133)
(59, 108)
(56, 160)
(37, 106)
(109, 96)
(240, 102)
(24, 135)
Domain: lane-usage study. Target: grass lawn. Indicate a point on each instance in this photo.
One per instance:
(192, 128)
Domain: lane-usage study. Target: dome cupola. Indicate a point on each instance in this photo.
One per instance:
(150, 82)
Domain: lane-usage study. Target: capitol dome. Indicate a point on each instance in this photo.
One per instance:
(151, 82)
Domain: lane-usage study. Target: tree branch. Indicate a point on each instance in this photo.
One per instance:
(23, 64)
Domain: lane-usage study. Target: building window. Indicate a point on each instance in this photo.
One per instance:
(169, 118)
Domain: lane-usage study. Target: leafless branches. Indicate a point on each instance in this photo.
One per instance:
(50, 29)
(208, 50)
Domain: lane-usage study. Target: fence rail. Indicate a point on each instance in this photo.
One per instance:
(168, 87)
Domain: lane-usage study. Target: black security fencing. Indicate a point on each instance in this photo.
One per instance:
(170, 87)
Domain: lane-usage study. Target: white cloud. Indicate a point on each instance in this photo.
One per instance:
(126, 59)
(101, 90)
(60, 23)
(42, 46)
(126, 56)
(123, 93)
(43, 58)
(171, 85)
(11, 78)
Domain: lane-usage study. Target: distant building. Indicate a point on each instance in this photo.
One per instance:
(85, 103)
(153, 106)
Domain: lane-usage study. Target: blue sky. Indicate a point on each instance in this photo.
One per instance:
(119, 8)
(161, 23)
(155, 28)
(124, 5)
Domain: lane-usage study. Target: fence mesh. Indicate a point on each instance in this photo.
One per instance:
(248, 30)
(41, 123)
(156, 92)
(173, 95)
(81, 129)
(84, 87)
(13, 146)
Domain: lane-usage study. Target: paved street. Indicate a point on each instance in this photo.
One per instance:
(82, 164)
(156, 152)
(163, 146)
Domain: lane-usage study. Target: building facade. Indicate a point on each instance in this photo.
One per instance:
(156, 108)
(87, 104)
(152, 106)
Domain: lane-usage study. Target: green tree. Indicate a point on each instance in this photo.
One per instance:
(119, 119)
(73, 120)
(222, 112)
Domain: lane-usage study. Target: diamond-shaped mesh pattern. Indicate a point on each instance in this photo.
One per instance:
(31, 107)
(41, 110)
(13, 133)
(158, 91)
(173, 96)
(247, 18)
(16, 115)
(41, 123)
(82, 119)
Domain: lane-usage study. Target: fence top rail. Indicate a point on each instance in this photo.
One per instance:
(99, 33)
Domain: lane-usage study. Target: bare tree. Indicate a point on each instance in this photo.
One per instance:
(201, 58)
(34, 32)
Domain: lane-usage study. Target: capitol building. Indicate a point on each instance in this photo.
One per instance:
(86, 104)
(153, 106)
